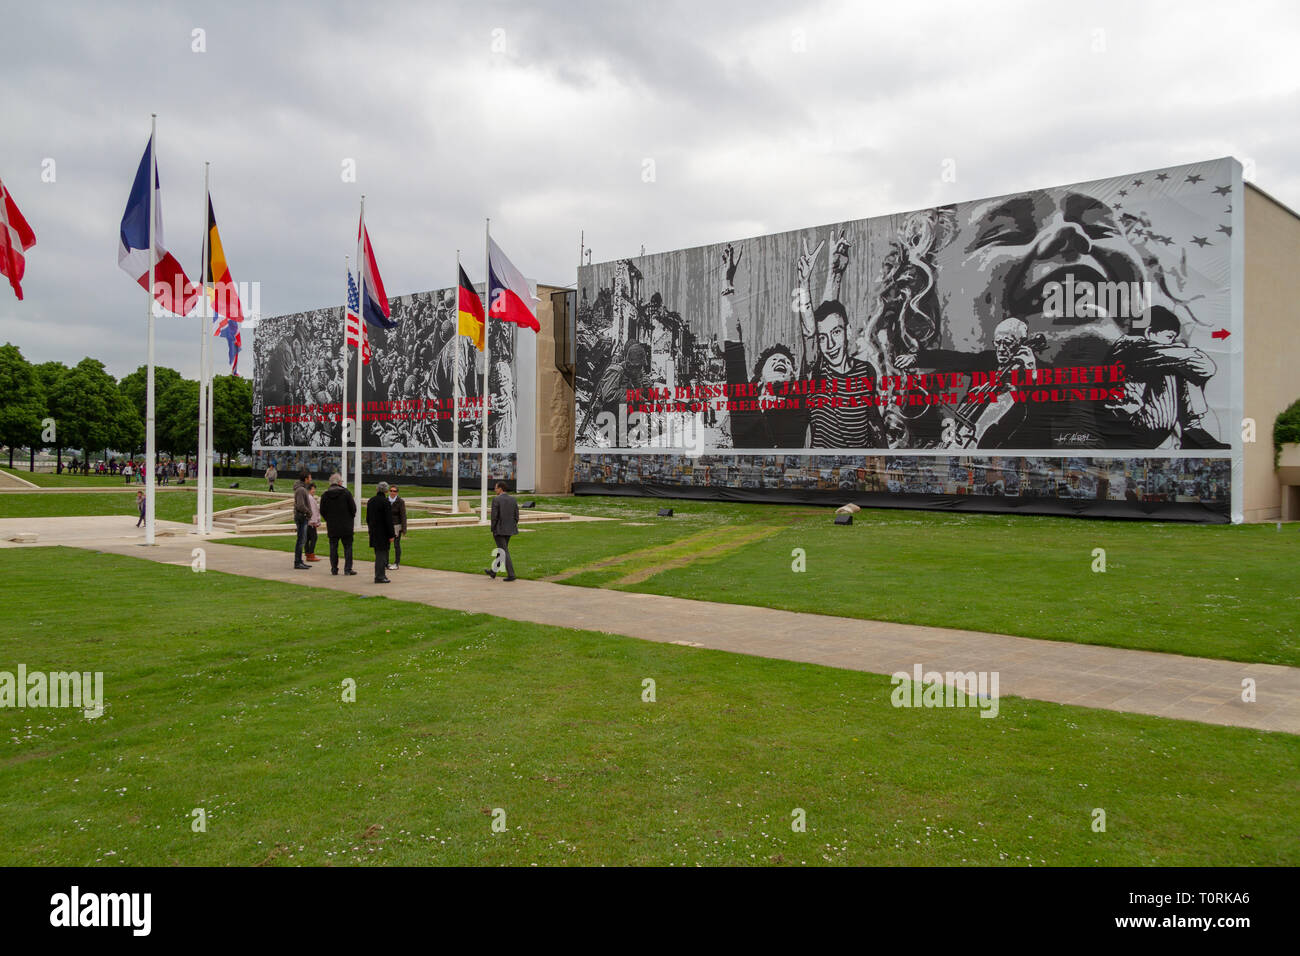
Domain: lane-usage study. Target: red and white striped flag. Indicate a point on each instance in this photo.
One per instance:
(353, 320)
(16, 237)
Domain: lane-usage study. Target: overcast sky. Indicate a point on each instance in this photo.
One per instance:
(757, 117)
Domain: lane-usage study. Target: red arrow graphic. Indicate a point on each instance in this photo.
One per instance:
(1221, 334)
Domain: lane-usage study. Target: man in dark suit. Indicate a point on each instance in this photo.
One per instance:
(505, 524)
(379, 519)
(399, 523)
(339, 509)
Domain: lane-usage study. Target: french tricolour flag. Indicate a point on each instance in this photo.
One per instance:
(375, 308)
(172, 288)
(511, 299)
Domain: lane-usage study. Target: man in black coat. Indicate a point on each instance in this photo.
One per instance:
(505, 524)
(339, 509)
(379, 519)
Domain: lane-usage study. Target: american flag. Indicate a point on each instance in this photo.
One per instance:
(354, 307)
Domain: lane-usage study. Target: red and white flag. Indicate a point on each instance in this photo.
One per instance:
(510, 298)
(16, 237)
(354, 306)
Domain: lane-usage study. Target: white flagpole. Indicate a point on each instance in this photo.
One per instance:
(149, 450)
(201, 475)
(487, 365)
(204, 385)
(361, 337)
(343, 409)
(455, 398)
(210, 455)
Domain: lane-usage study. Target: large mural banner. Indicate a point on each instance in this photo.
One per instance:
(1053, 330)
(407, 388)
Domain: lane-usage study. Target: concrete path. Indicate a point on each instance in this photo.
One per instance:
(1166, 685)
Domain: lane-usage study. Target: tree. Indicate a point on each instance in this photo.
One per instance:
(177, 424)
(232, 412)
(51, 375)
(135, 387)
(86, 409)
(22, 401)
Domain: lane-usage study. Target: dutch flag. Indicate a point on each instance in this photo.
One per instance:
(375, 308)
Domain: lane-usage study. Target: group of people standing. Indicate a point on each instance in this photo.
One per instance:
(386, 525)
(164, 471)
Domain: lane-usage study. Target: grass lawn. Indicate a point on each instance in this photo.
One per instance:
(171, 506)
(223, 693)
(48, 479)
(1207, 590)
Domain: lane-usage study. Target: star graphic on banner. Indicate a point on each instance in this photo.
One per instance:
(1223, 190)
(1123, 192)
(1227, 229)
(1137, 182)
(1194, 179)
(1119, 205)
(1161, 177)
(1202, 241)
(1227, 211)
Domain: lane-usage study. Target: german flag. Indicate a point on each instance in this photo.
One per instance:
(220, 287)
(469, 312)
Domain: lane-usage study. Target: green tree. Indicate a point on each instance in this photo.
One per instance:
(51, 375)
(86, 408)
(232, 412)
(135, 385)
(22, 401)
(177, 424)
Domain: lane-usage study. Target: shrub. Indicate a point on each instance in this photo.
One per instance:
(1286, 429)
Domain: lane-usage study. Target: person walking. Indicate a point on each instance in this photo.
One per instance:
(399, 525)
(139, 503)
(505, 525)
(379, 520)
(313, 523)
(126, 471)
(301, 515)
(270, 477)
(339, 509)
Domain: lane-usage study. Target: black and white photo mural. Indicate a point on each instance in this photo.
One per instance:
(1080, 344)
(407, 391)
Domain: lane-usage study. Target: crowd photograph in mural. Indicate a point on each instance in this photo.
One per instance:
(407, 386)
(1062, 326)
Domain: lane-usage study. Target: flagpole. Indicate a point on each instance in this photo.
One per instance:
(209, 459)
(455, 398)
(487, 365)
(201, 445)
(149, 450)
(361, 329)
(343, 409)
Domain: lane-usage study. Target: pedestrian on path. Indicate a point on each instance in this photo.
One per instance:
(313, 523)
(301, 515)
(126, 470)
(339, 509)
(505, 525)
(270, 477)
(379, 521)
(139, 503)
(399, 525)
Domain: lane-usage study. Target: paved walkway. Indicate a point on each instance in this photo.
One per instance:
(1166, 685)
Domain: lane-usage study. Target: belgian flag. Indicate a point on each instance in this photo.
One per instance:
(469, 312)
